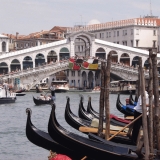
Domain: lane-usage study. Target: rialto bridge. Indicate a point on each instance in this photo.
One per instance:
(33, 64)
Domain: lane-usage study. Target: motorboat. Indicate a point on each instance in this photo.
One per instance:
(6, 96)
(60, 86)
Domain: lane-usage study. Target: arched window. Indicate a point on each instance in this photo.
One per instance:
(3, 46)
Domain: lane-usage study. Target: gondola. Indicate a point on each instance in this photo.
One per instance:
(131, 101)
(44, 140)
(126, 110)
(20, 94)
(85, 115)
(77, 122)
(90, 148)
(96, 114)
(40, 101)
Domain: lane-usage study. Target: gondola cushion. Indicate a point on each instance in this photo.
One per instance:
(60, 157)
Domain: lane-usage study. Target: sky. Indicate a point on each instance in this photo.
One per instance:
(29, 16)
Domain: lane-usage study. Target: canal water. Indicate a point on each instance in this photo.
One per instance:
(14, 144)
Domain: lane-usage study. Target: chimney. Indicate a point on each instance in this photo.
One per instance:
(17, 35)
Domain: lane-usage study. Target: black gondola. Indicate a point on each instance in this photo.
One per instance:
(131, 101)
(44, 140)
(96, 114)
(40, 101)
(91, 148)
(127, 111)
(21, 90)
(20, 94)
(77, 122)
(85, 115)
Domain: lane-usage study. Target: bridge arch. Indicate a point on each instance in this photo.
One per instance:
(3, 46)
(27, 62)
(64, 53)
(125, 59)
(52, 56)
(15, 65)
(101, 53)
(114, 57)
(3, 68)
(135, 61)
(39, 59)
(146, 64)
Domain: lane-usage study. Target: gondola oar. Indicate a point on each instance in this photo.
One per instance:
(95, 130)
(124, 128)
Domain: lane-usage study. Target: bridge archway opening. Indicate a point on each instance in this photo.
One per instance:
(15, 65)
(146, 64)
(82, 46)
(3, 46)
(52, 56)
(64, 54)
(84, 79)
(39, 60)
(100, 53)
(90, 80)
(27, 62)
(114, 57)
(3, 68)
(135, 61)
(125, 59)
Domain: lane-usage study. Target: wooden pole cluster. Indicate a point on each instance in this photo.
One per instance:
(156, 98)
(104, 97)
(144, 110)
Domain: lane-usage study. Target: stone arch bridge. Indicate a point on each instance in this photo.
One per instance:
(30, 62)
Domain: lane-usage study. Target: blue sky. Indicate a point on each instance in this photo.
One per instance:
(27, 16)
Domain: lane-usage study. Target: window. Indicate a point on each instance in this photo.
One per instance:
(102, 35)
(114, 33)
(67, 72)
(137, 31)
(131, 43)
(154, 32)
(79, 73)
(131, 31)
(3, 46)
(124, 43)
(137, 41)
(95, 35)
(154, 44)
(107, 34)
(73, 73)
(117, 33)
(124, 32)
(117, 42)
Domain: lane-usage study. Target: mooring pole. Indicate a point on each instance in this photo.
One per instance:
(101, 102)
(156, 98)
(107, 86)
(144, 110)
(150, 92)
